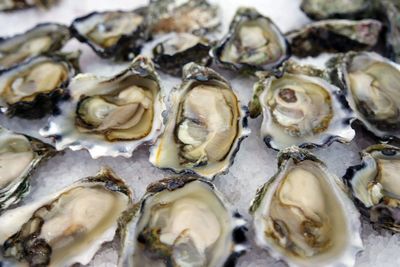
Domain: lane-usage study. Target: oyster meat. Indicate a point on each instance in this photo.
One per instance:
(113, 34)
(375, 185)
(322, 9)
(19, 156)
(67, 227)
(253, 42)
(334, 36)
(300, 107)
(183, 221)
(11, 5)
(177, 49)
(371, 85)
(110, 116)
(303, 215)
(41, 39)
(205, 125)
(32, 89)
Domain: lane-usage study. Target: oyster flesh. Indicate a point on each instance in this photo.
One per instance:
(110, 116)
(303, 215)
(205, 125)
(333, 36)
(175, 50)
(19, 156)
(300, 107)
(43, 38)
(332, 9)
(183, 221)
(10, 5)
(371, 85)
(32, 89)
(375, 185)
(67, 227)
(112, 34)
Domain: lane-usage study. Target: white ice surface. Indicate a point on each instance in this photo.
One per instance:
(254, 163)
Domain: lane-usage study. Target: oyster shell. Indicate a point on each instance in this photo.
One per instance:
(112, 34)
(110, 116)
(41, 39)
(177, 49)
(205, 125)
(32, 89)
(371, 85)
(253, 42)
(67, 227)
(183, 221)
(375, 185)
(11, 5)
(390, 13)
(303, 216)
(19, 156)
(300, 107)
(344, 9)
(334, 36)
(192, 16)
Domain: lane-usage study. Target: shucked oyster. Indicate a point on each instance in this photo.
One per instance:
(41, 39)
(375, 185)
(334, 36)
(204, 127)
(253, 42)
(112, 34)
(19, 156)
(32, 89)
(303, 216)
(183, 221)
(322, 9)
(371, 85)
(175, 50)
(10, 5)
(110, 116)
(67, 227)
(191, 16)
(300, 108)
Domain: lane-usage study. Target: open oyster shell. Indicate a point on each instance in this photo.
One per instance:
(175, 50)
(32, 89)
(113, 34)
(334, 36)
(67, 227)
(191, 16)
(41, 39)
(375, 185)
(371, 85)
(332, 9)
(110, 116)
(19, 156)
(303, 216)
(11, 5)
(204, 127)
(253, 42)
(300, 107)
(183, 221)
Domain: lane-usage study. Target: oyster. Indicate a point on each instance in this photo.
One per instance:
(303, 216)
(253, 42)
(67, 227)
(375, 185)
(183, 221)
(32, 89)
(204, 127)
(10, 5)
(112, 34)
(192, 16)
(300, 107)
(371, 85)
(322, 9)
(177, 49)
(334, 36)
(390, 13)
(19, 156)
(110, 116)
(43, 38)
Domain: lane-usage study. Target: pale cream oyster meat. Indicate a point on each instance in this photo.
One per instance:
(303, 215)
(204, 127)
(67, 227)
(182, 221)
